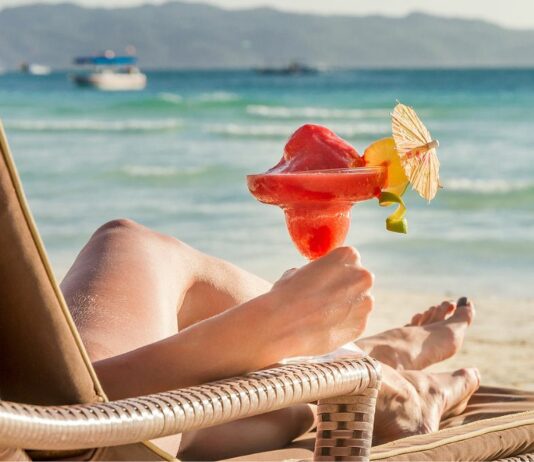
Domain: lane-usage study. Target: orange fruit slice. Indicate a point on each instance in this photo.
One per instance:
(384, 152)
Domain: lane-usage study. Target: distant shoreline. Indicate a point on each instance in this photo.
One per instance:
(201, 36)
(323, 71)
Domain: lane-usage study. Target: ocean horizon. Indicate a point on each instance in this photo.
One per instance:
(174, 157)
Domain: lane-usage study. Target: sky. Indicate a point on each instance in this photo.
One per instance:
(508, 13)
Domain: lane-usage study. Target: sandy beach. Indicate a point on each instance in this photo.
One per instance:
(499, 343)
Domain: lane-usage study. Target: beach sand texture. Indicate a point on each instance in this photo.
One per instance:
(499, 342)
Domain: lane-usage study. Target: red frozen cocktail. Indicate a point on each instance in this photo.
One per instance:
(317, 203)
(316, 183)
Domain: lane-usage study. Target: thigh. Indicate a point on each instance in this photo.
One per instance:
(130, 287)
(124, 289)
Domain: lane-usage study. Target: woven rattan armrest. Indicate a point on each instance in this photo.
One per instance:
(346, 390)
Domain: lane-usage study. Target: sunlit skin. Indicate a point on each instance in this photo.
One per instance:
(156, 314)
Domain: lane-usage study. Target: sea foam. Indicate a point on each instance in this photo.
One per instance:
(284, 131)
(94, 125)
(217, 96)
(172, 98)
(284, 112)
(487, 186)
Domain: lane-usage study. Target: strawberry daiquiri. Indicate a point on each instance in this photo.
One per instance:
(318, 179)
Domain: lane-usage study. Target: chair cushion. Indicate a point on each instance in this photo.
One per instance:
(497, 422)
(509, 431)
(488, 439)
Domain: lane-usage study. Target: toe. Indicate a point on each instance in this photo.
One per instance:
(442, 311)
(433, 314)
(457, 388)
(416, 320)
(448, 308)
(427, 315)
(464, 313)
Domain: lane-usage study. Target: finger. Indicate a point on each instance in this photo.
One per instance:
(343, 254)
(288, 273)
(361, 313)
(359, 280)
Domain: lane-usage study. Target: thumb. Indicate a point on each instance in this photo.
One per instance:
(288, 273)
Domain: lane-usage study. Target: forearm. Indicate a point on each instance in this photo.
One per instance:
(229, 344)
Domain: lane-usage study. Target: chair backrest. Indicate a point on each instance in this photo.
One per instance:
(42, 359)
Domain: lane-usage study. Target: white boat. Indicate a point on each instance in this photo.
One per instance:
(35, 69)
(112, 80)
(108, 72)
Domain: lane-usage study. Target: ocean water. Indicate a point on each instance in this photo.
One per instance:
(174, 157)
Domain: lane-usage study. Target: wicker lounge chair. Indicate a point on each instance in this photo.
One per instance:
(53, 407)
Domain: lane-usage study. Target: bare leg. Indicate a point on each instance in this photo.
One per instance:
(170, 280)
(131, 287)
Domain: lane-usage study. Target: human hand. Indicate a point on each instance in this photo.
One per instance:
(321, 306)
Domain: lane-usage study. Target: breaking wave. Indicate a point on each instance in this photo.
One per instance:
(93, 125)
(283, 130)
(284, 112)
(488, 186)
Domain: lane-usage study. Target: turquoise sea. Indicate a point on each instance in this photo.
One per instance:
(175, 156)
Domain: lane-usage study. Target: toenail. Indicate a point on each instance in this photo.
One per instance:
(462, 301)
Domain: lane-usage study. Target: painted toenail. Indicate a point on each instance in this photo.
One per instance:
(462, 301)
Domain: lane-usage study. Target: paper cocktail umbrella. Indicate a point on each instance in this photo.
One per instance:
(417, 151)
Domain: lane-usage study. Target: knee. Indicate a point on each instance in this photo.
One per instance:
(127, 229)
(120, 226)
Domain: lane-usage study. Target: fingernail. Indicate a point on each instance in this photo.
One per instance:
(462, 301)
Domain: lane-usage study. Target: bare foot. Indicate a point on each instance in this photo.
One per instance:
(430, 337)
(414, 402)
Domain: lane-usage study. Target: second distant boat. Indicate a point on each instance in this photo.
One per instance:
(109, 72)
(294, 68)
(34, 69)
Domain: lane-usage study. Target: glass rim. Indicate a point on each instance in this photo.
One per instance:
(326, 171)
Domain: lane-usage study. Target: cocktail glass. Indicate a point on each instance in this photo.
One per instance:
(317, 205)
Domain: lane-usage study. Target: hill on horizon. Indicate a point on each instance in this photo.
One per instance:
(192, 35)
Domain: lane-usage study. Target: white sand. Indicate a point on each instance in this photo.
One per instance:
(500, 342)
